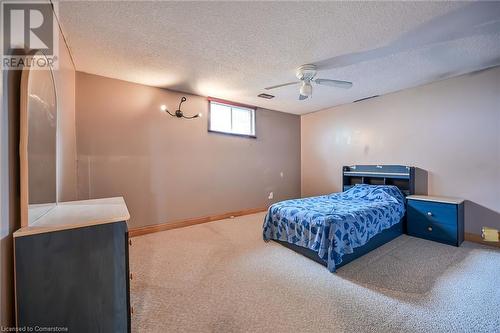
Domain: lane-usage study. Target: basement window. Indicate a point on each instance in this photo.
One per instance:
(230, 118)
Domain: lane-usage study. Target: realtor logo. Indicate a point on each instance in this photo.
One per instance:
(29, 28)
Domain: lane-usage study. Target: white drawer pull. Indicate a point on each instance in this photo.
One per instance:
(429, 228)
(429, 214)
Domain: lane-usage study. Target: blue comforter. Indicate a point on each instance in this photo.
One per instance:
(333, 225)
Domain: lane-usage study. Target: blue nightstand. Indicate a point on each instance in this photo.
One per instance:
(438, 219)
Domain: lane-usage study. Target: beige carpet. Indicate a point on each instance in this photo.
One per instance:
(221, 277)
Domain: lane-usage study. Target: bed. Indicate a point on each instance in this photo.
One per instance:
(337, 228)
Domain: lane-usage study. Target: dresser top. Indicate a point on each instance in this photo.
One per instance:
(455, 201)
(78, 214)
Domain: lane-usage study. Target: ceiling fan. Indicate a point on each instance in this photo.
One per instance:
(306, 75)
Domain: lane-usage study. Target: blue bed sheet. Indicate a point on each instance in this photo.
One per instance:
(333, 225)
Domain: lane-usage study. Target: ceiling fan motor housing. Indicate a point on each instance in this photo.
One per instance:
(306, 72)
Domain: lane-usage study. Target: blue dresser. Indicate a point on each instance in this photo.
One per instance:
(72, 268)
(436, 218)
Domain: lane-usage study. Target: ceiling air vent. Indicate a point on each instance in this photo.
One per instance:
(364, 99)
(266, 96)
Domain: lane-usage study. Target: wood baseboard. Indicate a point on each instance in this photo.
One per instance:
(134, 232)
(477, 239)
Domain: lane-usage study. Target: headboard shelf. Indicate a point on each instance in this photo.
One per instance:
(410, 180)
(377, 174)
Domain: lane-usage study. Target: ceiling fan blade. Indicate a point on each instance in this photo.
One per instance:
(475, 19)
(282, 85)
(302, 97)
(334, 83)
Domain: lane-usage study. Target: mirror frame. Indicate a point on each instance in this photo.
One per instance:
(24, 139)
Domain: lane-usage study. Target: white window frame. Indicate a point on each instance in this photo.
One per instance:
(232, 106)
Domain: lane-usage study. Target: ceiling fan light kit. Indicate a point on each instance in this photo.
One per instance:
(306, 74)
(306, 89)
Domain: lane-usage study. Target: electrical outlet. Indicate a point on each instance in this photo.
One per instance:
(489, 234)
(271, 195)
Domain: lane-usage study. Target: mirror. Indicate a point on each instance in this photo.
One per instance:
(38, 146)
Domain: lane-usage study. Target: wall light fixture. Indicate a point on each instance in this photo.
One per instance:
(178, 113)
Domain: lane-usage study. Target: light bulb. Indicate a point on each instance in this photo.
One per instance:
(163, 107)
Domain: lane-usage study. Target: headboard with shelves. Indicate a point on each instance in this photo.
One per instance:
(410, 180)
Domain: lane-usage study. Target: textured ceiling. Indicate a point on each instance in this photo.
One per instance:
(232, 50)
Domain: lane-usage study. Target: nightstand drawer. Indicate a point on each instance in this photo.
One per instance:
(432, 212)
(445, 233)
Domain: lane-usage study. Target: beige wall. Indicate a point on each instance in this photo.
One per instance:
(169, 169)
(9, 189)
(449, 128)
(4, 226)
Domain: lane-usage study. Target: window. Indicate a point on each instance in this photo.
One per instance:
(231, 119)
